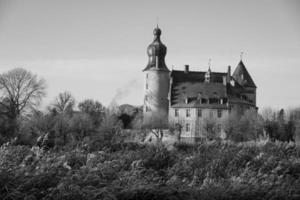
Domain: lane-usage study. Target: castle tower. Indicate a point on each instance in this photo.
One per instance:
(242, 76)
(156, 103)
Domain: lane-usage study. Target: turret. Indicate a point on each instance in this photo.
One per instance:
(242, 76)
(157, 80)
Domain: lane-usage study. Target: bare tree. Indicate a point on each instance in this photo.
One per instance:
(19, 90)
(64, 103)
(240, 128)
(94, 109)
(268, 114)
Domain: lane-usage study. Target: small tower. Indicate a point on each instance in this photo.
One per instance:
(242, 76)
(157, 80)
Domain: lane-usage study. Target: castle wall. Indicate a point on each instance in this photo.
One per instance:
(198, 123)
(156, 103)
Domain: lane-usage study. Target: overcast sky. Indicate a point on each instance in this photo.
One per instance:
(97, 49)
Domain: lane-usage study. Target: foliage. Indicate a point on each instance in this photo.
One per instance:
(247, 127)
(208, 170)
(281, 127)
(94, 109)
(64, 103)
(20, 91)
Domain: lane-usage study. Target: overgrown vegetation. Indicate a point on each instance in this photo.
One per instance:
(143, 171)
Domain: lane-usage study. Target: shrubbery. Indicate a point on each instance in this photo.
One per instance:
(213, 170)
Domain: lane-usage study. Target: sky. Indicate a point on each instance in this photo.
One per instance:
(97, 49)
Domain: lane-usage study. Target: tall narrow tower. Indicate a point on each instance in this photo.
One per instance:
(157, 80)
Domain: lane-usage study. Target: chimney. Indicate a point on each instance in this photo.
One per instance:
(186, 69)
(228, 74)
(186, 100)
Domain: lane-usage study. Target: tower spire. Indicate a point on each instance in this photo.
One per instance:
(208, 73)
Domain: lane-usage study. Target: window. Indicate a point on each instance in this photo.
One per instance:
(187, 128)
(219, 127)
(219, 113)
(176, 112)
(147, 75)
(188, 112)
(211, 113)
(146, 97)
(213, 101)
(199, 112)
(146, 86)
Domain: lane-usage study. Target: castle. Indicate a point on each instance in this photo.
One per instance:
(192, 99)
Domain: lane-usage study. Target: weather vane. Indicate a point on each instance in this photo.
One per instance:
(157, 21)
(241, 55)
(209, 63)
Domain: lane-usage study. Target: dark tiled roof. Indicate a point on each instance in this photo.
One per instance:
(197, 105)
(242, 76)
(192, 84)
(192, 76)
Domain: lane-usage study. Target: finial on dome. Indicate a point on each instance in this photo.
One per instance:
(157, 32)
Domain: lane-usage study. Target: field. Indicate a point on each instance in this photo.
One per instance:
(215, 170)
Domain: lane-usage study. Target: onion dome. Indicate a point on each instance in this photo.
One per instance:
(156, 53)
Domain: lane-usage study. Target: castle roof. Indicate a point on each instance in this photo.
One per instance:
(188, 87)
(242, 76)
(192, 85)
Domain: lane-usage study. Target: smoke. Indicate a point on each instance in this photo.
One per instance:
(123, 92)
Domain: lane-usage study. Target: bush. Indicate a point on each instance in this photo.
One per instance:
(208, 170)
(157, 157)
(185, 147)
